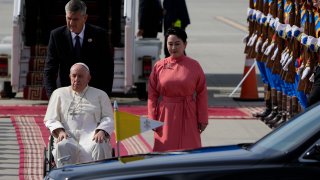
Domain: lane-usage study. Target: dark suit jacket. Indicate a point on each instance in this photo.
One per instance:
(96, 52)
(150, 16)
(175, 9)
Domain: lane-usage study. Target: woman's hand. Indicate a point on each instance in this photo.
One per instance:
(202, 127)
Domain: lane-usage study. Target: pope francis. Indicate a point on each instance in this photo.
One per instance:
(80, 118)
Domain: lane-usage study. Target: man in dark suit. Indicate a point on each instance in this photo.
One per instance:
(75, 42)
(175, 15)
(150, 18)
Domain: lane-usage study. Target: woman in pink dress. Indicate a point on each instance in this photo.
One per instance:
(177, 96)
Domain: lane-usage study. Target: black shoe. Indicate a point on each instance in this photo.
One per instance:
(280, 122)
(271, 116)
(272, 122)
(262, 114)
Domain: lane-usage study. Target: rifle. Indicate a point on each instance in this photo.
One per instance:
(266, 31)
(261, 33)
(310, 57)
(301, 83)
(287, 53)
(296, 46)
(272, 35)
(250, 28)
(276, 68)
(290, 6)
(313, 56)
(257, 31)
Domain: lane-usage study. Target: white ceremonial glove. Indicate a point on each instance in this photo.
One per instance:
(305, 72)
(245, 38)
(283, 54)
(285, 67)
(253, 40)
(269, 48)
(250, 39)
(300, 68)
(311, 79)
(274, 54)
(259, 42)
(286, 58)
(264, 45)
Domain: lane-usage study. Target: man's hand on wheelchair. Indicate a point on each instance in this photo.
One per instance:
(60, 134)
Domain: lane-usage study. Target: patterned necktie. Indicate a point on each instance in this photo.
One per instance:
(77, 47)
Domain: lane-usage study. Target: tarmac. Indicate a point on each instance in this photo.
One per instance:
(215, 40)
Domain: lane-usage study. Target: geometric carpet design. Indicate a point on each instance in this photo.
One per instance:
(32, 139)
(34, 89)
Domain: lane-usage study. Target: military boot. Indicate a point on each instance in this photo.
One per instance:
(289, 107)
(294, 106)
(267, 100)
(278, 116)
(284, 112)
(274, 103)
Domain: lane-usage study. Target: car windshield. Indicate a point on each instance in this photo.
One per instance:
(292, 134)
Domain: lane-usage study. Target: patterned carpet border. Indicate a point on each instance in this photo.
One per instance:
(31, 148)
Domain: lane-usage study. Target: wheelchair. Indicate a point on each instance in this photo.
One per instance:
(48, 160)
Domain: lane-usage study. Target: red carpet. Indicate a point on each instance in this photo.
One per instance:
(33, 136)
(25, 110)
(214, 112)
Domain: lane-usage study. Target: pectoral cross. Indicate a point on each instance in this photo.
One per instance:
(73, 113)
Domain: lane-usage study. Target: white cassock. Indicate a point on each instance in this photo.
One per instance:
(80, 114)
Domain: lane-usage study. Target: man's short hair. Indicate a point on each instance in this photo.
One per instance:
(76, 6)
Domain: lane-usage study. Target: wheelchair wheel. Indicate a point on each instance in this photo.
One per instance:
(50, 156)
(113, 153)
(45, 162)
(48, 160)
